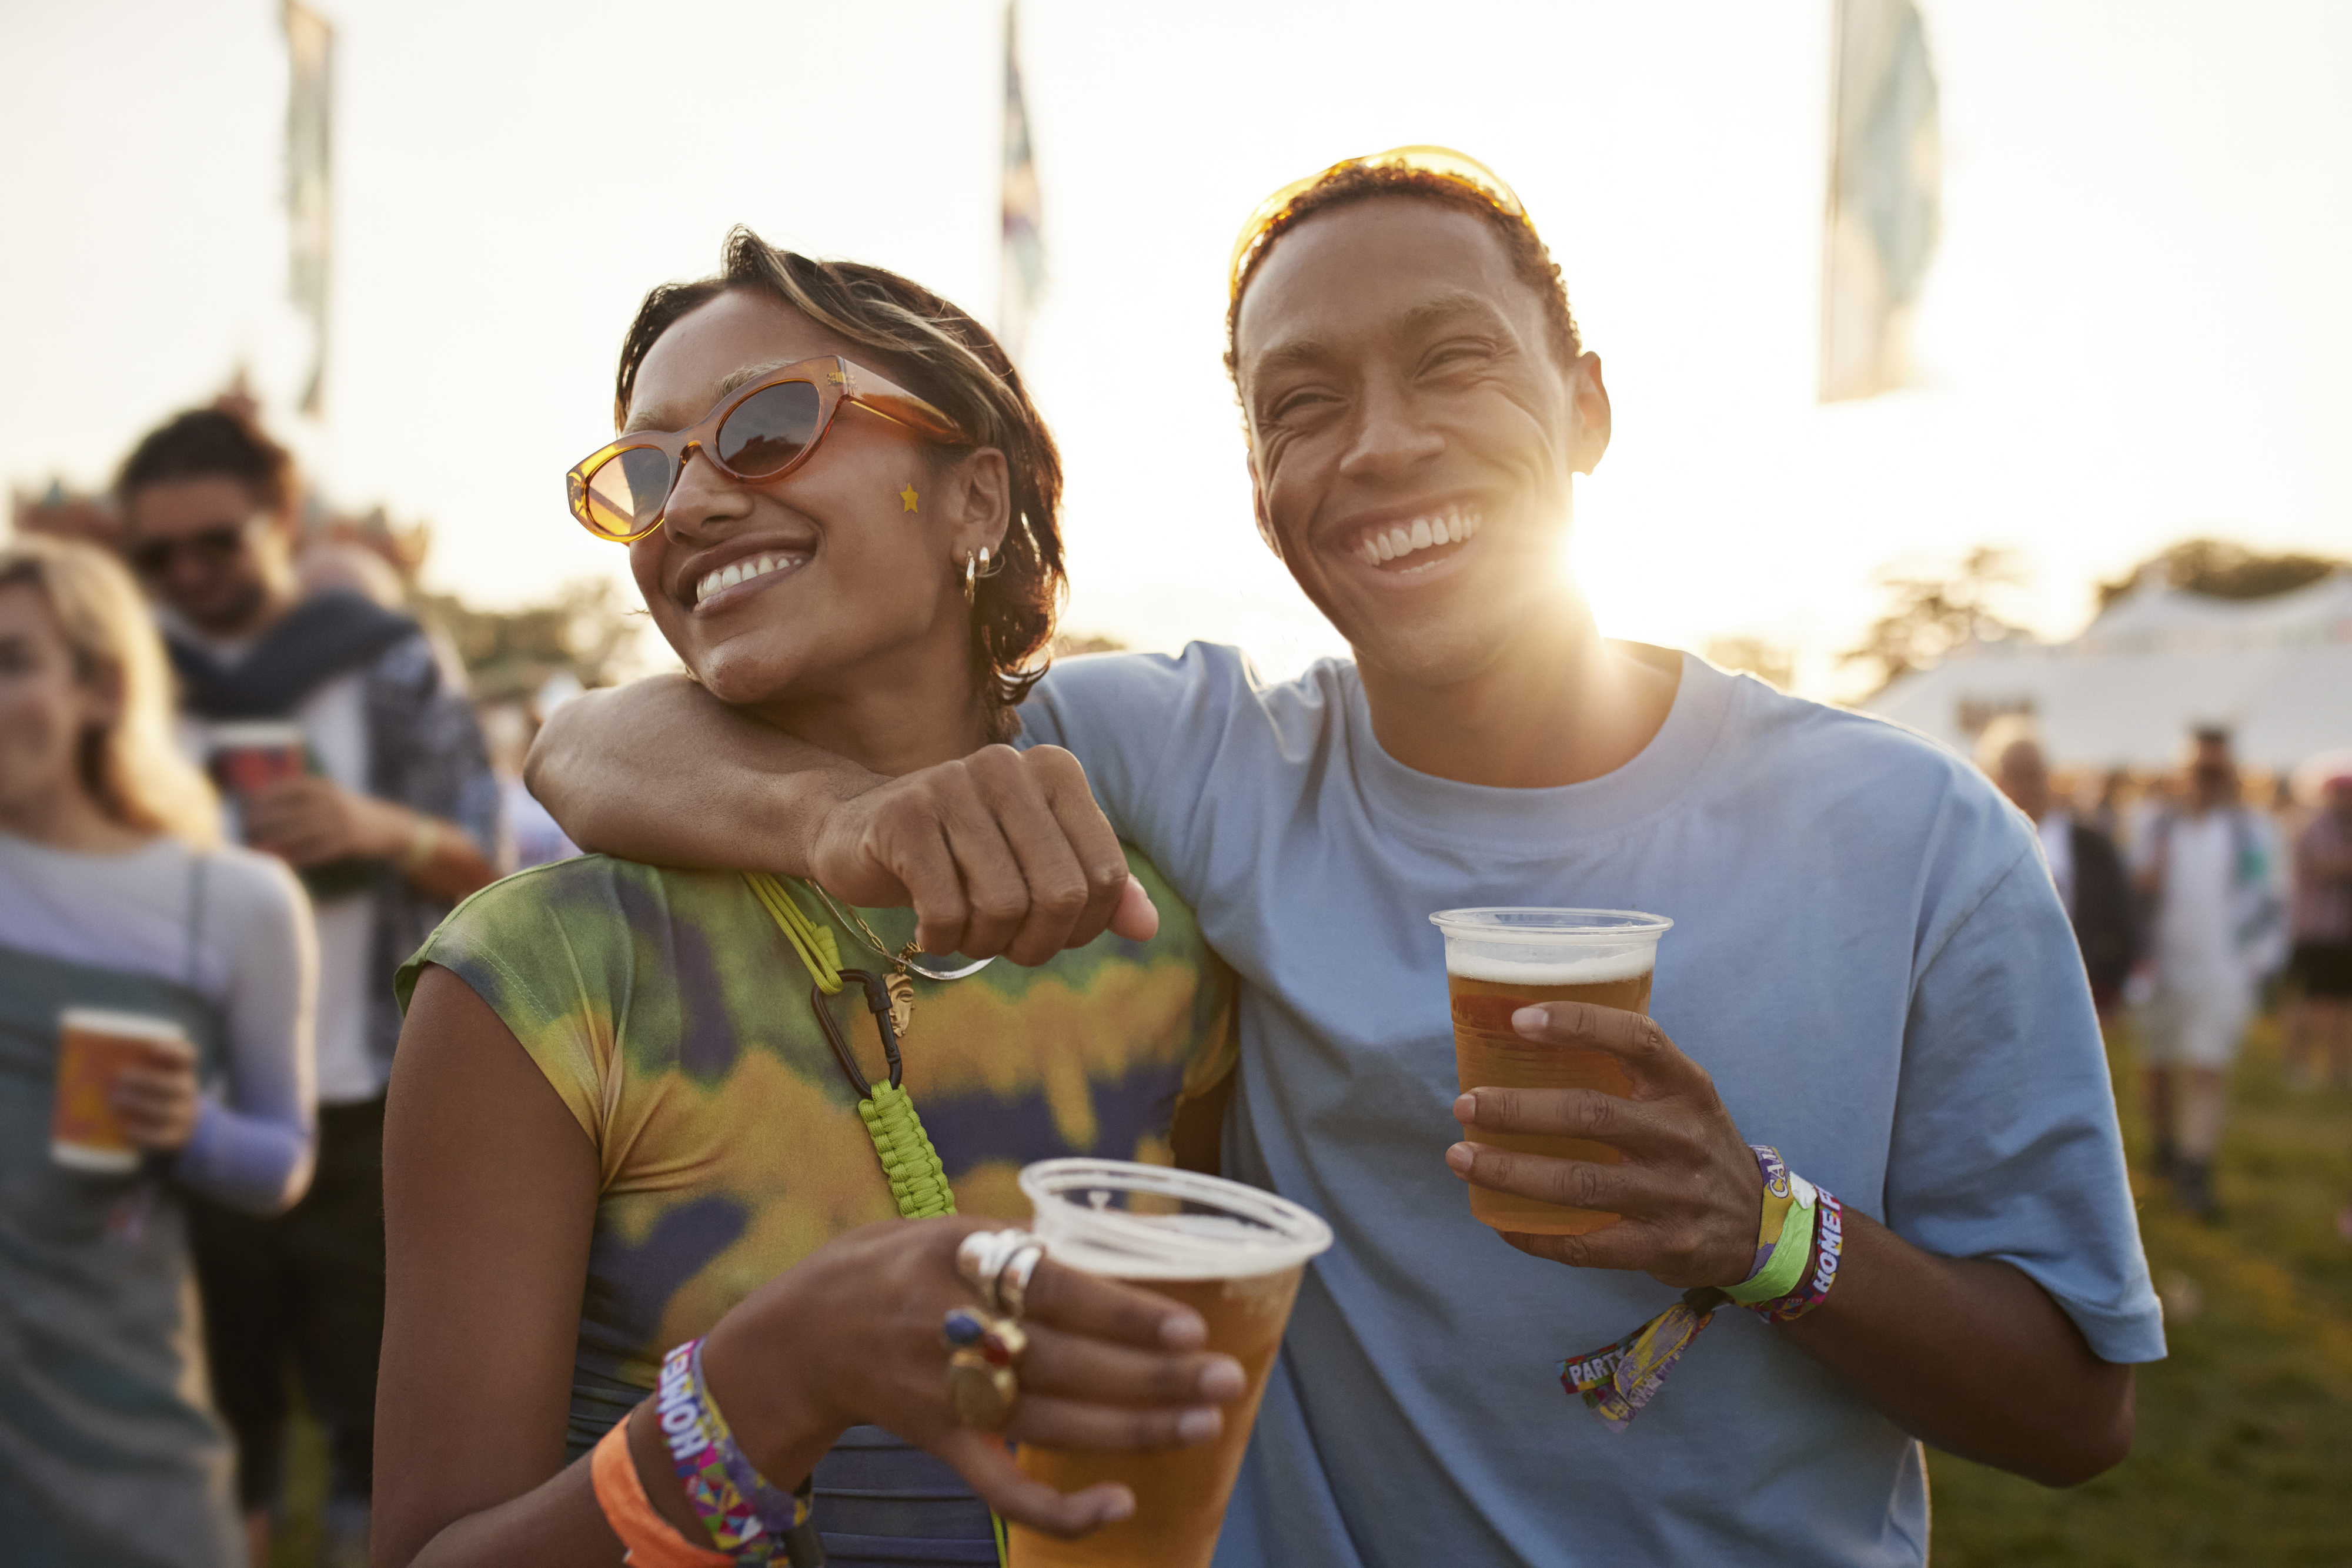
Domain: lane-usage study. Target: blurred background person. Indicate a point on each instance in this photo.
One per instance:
(2319, 1017)
(380, 794)
(2083, 859)
(115, 894)
(2205, 870)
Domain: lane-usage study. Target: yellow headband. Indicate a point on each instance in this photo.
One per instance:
(1443, 161)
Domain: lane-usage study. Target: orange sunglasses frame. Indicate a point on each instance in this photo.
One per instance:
(837, 380)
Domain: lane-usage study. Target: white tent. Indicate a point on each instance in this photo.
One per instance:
(2277, 673)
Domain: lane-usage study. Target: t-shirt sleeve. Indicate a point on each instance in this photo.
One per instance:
(546, 977)
(1150, 731)
(255, 1131)
(2005, 1140)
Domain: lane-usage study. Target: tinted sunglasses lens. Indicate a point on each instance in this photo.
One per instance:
(625, 495)
(770, 430)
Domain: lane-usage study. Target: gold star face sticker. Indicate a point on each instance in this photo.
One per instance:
(908, 496)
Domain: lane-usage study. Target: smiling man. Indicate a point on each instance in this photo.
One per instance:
(1870, 969)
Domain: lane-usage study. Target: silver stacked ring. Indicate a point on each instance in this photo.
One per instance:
(981, 1259)
(1013, 1281)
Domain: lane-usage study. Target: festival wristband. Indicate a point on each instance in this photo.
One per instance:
(649, 1540)
(1828, 1247)
(1784, 1241)
(747, 1518)
(780, 1512)
(1617, 1380)
(1794, 1270)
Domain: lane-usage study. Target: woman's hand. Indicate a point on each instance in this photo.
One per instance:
(156, 1102)
(851, 1334)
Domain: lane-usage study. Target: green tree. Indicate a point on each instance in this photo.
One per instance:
(2221, 569)
(1934, 607)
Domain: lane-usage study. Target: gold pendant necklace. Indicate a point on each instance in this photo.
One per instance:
(901, 986)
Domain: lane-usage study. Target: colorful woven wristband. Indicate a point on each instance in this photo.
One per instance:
(781, 1511)
(747, 1518)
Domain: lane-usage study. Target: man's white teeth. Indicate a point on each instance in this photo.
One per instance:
(743, 571)
(1445, 528)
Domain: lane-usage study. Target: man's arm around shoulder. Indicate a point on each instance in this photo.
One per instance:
(1000, 852)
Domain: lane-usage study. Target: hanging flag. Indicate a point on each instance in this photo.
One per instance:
(1021, 278)
(309, 102)
(1883, 209)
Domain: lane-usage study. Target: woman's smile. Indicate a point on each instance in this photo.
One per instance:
(718, 587)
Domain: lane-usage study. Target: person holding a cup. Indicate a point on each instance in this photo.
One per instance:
(155, 992)
(1868, 1029)
(662, 1142)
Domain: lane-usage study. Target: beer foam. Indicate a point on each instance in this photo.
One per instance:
(1216, 1248)
(127, 1026)
(1548, 967)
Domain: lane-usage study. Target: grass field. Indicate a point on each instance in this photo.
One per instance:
(2244, 1452)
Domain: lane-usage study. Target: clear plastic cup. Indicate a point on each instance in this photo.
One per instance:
(1234, 1254)
(1499, 961)
(94, 1046)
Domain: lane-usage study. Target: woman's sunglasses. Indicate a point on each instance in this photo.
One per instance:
(760, 433)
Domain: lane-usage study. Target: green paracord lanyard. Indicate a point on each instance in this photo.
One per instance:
(918, 1180)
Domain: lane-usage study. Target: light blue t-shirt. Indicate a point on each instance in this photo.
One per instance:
(1868, 957)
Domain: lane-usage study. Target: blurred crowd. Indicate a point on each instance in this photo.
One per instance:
(2201, 896)
(239, 783)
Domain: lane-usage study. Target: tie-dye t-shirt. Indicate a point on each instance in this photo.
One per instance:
(673, 1018)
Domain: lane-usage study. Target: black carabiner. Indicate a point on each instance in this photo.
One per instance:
(877, 999)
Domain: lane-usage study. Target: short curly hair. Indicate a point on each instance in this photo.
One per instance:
(210, 443)
(934, 349)
(1353, 183)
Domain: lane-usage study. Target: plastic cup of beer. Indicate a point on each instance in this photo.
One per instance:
(247, 756)
(93, 1048)
(1232, 1253)
(1499, 960)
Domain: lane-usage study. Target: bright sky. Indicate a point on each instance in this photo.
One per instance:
(2136, 328)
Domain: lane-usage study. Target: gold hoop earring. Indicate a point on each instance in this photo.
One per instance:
(976, 567)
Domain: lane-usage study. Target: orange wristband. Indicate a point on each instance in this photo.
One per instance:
(651, 1540)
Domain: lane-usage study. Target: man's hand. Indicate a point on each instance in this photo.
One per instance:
(311, 820)
(1000, 852)
(1685, 1183)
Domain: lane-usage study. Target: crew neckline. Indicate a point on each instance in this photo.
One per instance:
(157, 844)
(1448, 811)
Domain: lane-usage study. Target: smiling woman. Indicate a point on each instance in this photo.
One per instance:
(629, 1117)
(992, 473)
